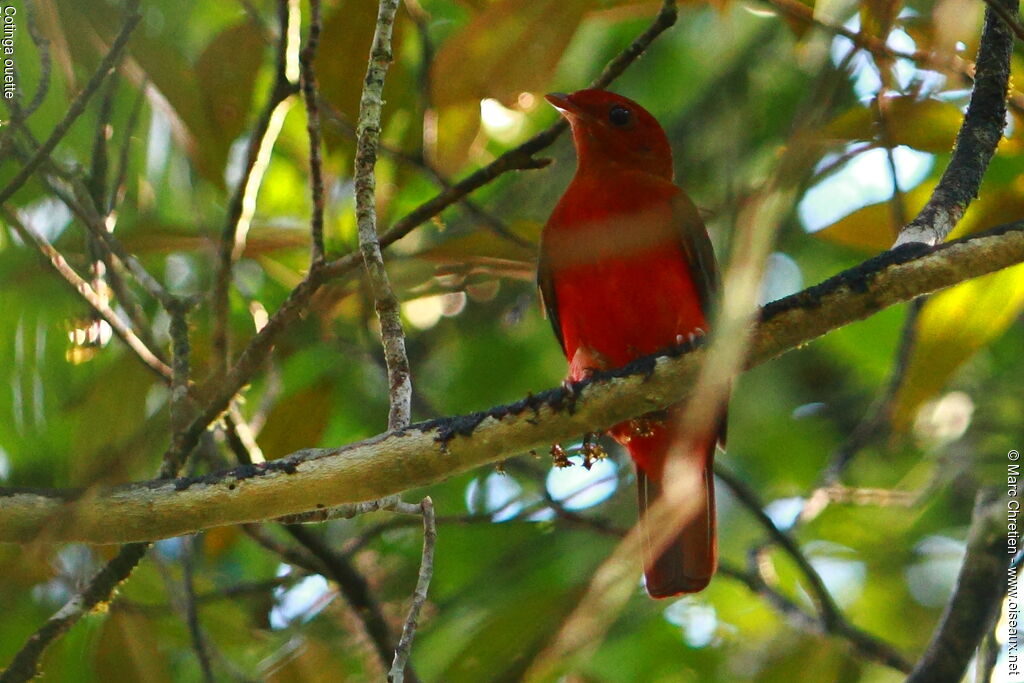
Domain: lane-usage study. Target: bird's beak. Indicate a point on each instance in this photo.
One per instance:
(565, 106)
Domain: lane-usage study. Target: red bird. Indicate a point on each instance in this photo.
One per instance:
(626, 269)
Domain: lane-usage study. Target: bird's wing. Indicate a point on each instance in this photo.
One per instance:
(548, 300)
(700, 257)
(697, 249)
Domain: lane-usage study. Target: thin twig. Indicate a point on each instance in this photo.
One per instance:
(180, 365)
(25, 664)
(896, 201)
(419, 597)
(195, 629)
(18, 112)
(81, 205)
(60, 265)
(242, 204)
(827, 609)
(489, 220)
(864, 643)
(878, 421)
(356, 591)
(367, 138)
(311, 96)
(121, 174)
(298, 557)
(106, 206)
(829, 615)
(110, 61)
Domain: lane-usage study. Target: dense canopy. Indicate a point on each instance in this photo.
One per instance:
(190, 198)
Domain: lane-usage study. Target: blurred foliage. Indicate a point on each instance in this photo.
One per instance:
(739, 90)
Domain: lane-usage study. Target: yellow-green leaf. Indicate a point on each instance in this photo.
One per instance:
(928, 125)
(872, 229)
(953, 325)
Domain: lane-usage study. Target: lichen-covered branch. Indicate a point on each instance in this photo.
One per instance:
(367, 138)
(431, 451)
(419, 596)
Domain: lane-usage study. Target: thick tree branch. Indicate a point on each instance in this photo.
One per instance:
(978, 138)
(430, 451)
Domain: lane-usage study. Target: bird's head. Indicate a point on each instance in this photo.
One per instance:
(611, 129)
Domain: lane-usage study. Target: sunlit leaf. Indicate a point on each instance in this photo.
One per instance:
(953, 325)
(458, 125)
(873, 228)
(928, 125)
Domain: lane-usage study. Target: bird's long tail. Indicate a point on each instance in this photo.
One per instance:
(688, 561)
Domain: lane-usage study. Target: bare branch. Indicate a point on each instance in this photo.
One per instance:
(367, 139)
(979, 135)
(311, 96)
(980, 588)
(57, 261)
(398, 666)
(195, 629)
(424, 453)
(110, 61)
(242, 204)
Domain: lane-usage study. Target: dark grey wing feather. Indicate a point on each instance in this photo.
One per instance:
(546, 287)
(700, 255)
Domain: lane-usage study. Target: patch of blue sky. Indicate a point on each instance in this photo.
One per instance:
(863, 180)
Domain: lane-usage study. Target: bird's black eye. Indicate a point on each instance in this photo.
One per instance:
(620, 116)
